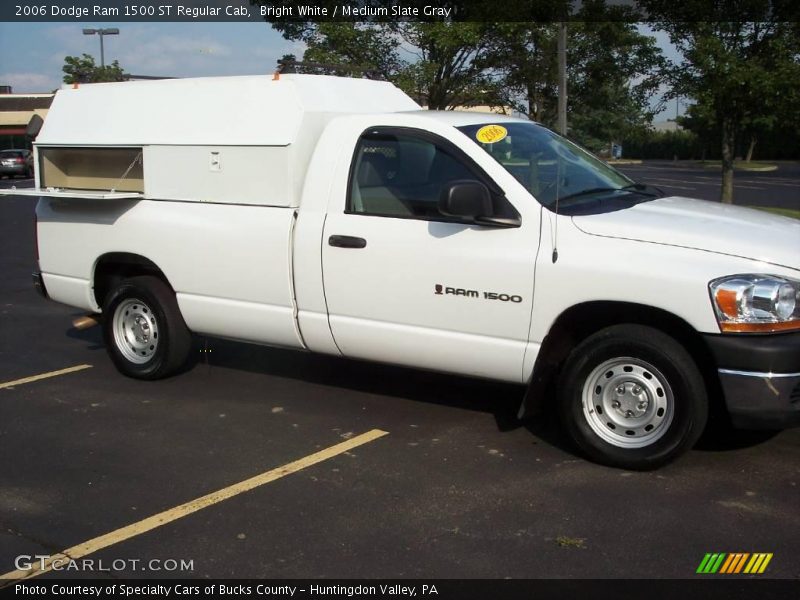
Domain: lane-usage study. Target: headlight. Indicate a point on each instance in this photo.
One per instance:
(756, 303)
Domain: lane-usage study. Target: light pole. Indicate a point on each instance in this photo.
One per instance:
(101, 33)
(562, 78)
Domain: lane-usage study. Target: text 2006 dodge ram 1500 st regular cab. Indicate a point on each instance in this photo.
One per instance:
(333, 215)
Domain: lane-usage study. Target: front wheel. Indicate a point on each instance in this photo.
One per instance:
(631, 396)
(144, 331)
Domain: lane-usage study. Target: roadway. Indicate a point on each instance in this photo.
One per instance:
(777, 189)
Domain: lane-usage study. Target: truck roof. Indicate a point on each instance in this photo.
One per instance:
(257, 110)
(458, 118)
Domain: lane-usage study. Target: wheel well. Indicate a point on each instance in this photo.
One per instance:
(580, 321)
(113, 267)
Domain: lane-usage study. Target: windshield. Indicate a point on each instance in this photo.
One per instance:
(551, 167)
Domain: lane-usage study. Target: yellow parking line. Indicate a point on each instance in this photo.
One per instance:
(33, 378)
(173, 514)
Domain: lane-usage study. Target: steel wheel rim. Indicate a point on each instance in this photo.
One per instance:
(628, 402)
(135, 331)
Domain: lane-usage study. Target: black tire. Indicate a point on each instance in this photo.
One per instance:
(145, 334)
(621, 381)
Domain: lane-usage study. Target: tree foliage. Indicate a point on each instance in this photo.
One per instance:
(525, 57)
(612, 68)
(82, 69)
(450, 64)
(741, 74)
(652, 144)
(441, 64)
(613, 71)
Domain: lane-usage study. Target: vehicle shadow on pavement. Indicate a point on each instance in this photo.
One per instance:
(501, 400)
(721, 437)
(93, 336)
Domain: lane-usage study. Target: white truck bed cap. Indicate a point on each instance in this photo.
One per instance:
(225, 111)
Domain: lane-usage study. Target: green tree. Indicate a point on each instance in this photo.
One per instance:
(741, 70)
(441, 64)
(349, 43)
(700, 120)
(524, 56)
(612, 72)
(82, 69)
(776, 101)
(451, 64)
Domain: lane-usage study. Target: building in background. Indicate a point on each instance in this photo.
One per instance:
(16, 111)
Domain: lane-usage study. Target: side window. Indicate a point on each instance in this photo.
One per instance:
(401, 175)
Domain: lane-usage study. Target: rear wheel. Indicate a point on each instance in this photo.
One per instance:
(144, 331)
(631, 396)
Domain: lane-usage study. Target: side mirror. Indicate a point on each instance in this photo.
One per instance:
(466, 199)
(34, 126)
(470, 200)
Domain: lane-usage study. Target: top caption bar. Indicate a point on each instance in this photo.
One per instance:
(120, 11)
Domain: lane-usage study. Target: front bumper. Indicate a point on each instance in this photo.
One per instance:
(760, 378)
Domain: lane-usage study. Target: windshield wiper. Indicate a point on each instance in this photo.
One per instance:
(595, 190)
(644, 189)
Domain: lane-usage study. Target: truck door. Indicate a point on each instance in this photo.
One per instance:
(406, 284)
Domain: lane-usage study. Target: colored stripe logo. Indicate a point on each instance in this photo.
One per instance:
(734, 563)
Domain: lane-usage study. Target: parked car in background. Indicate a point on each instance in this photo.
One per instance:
(16, 162)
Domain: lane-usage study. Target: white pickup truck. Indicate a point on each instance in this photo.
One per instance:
(333, 215)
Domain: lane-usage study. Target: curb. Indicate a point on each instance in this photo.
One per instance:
(763, 169)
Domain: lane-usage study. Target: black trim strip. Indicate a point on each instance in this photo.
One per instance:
(765, 353)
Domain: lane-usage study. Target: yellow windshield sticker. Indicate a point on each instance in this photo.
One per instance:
(491, 134)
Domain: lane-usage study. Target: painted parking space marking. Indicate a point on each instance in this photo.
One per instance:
(664, 182)
(48, 375)
(188, 508)
(770, 182)
(691, 178)
(681, 180)
(669, 185)
(685, 181)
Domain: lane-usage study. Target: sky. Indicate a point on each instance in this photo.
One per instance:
(32, 54)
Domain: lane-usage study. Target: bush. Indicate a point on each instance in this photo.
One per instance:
(682, 144)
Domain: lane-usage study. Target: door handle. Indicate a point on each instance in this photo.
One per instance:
(347, 241)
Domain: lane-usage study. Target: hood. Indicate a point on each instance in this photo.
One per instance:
(703, 225)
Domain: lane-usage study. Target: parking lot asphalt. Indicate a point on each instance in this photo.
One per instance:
(777, 189)
(457, 488)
